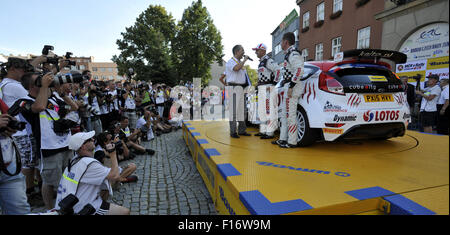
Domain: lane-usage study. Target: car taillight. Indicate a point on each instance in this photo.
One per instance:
(334, 125)
(329, 84)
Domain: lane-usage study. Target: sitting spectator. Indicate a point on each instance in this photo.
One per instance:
(144, 124)
(84, 176)
(131, 139)
(100, 153)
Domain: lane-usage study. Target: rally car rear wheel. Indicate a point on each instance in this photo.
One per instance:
(306, 135)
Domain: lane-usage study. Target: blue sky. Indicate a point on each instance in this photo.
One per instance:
(91, 27)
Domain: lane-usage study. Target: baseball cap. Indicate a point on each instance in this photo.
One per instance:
(261, 46)
(75, 141)
(433, 76)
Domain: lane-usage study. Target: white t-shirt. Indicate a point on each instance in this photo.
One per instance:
(129, 102)
(444, 95)
(91, 184)
(13, 90)
(233, 76)
(430, 106)
(141, 122)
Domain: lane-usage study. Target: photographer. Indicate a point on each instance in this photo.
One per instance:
(50, 129)
(131, 139)
(129, 104)
(12, 90)
(145, 125)
(13, 198)
(101, 154)
(94, 101)
(84, 176)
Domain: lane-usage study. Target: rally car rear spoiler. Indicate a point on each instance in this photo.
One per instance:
(375, 54)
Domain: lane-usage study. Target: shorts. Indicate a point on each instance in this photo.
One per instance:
(27, 150)
(104, 209)
(428, 118)
(53, 167)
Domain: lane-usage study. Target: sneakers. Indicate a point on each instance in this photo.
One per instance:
(279, 142)
(287, 145)
(245, 134)
(236, 136)
(150, 151)
(266, 137)
(259, 134)
(130, 179)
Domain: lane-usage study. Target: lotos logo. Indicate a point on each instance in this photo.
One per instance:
(389, 115)
(368, 116)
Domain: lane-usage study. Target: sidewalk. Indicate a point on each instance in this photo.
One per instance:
(169, 183)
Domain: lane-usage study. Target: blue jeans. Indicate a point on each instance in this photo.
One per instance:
(13, 197)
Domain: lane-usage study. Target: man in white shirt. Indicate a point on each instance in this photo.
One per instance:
(236, 83)
(85, 176)
(442, 107)
(428, 107)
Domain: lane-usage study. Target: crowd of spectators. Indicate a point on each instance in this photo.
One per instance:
(47, 109)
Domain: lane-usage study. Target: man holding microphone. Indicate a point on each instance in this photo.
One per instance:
(236, 83)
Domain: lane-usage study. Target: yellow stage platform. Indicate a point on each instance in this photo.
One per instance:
(250, 176)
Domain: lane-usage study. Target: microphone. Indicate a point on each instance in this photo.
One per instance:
(249, 58)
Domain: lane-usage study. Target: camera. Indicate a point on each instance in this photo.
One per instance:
(63, 126)
(62, 79)
(18, 107)
(66, 206)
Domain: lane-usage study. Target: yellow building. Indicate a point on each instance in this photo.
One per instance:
(104, 71)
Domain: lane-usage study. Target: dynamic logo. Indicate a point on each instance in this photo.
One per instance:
(379, 116)
(351, 118)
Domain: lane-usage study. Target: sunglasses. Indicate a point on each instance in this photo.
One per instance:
(91, 139)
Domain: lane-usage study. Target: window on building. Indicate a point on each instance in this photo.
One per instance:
(320, 12)
(336, 45)
(82, 67)
(306, 20)
(296, 35)
(363, 38)
(305, 54)
(95, 77)
(319, 52)
(94, 69)
(110, 70)
(337, 5)
(277, 49)
(102, 69)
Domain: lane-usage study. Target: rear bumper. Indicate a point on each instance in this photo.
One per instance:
(371, 131)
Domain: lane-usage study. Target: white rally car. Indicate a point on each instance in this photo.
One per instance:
(355, 96)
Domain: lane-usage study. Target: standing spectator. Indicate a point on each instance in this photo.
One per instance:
(84, 176)
(160, 100)
(12, 90)
(53, 142)
(442, 107)
(130, 105)
(410, 93)
(13, 198)
(428, 107)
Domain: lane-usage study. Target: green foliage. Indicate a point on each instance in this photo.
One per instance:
(197, 44)
(145, 47)
(161, 51)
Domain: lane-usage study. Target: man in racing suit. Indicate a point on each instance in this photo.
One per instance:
(268, 75)
(293, 67)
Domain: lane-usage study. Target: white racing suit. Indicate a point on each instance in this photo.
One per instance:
(293, 71)
(268, 75)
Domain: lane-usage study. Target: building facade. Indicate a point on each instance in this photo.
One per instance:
(331, 26)
(418, 28)
(289, 24)
(104, 71)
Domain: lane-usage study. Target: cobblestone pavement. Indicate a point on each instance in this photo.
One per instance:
(168, 182)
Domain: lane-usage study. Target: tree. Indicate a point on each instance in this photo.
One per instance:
(197, 44)
(252, 74)
(145, 47)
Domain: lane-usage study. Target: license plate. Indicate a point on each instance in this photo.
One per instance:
(378, 98)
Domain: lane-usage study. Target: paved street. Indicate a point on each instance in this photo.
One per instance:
(169, 183)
